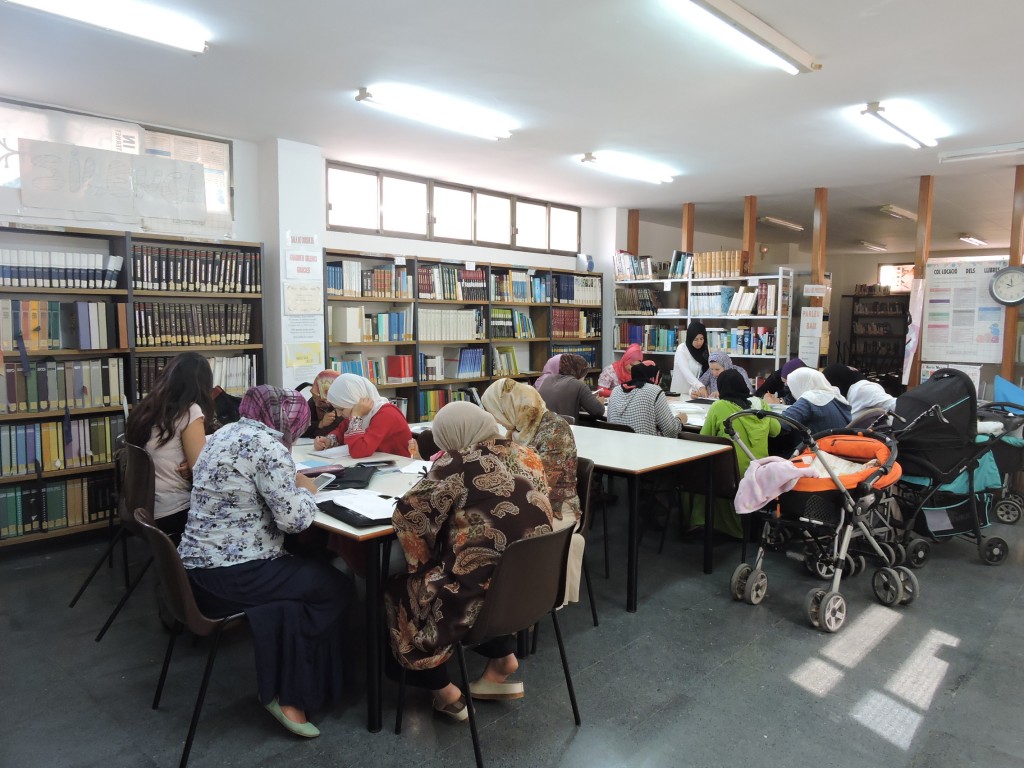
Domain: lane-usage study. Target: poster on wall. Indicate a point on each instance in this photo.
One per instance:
(303, 337)
(962, 322)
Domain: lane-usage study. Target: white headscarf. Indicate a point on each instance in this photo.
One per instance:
(811, 385)
(348, 389)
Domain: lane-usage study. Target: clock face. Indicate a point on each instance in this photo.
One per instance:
(1007, 286)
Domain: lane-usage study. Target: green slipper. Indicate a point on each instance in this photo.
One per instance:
(308, 730)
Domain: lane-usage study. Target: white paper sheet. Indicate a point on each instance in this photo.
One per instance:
(337, 452)
(365, 502)
(416, 467)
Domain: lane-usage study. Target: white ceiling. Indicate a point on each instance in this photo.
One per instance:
(584, 75)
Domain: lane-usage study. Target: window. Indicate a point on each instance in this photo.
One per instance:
(899, 277)
(368, 200)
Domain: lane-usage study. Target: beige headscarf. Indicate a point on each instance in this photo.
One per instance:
(515, 406)
(461, 424)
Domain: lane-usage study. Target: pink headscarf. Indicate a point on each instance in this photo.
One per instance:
(282, 409)
(550, 369)
(623, 366)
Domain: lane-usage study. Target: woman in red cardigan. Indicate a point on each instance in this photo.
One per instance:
(372, 423)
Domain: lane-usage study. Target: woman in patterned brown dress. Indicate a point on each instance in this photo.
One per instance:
(453, 526)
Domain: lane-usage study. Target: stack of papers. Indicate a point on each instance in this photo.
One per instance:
(365, 502)
(338, 452)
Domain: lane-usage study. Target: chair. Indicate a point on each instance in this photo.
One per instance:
(726, 475)
(528, 582)
(570, 420)
(425, 443)
(866, 418)
(602, 496)
(181, 603)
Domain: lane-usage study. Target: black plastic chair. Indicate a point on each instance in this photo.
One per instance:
(528, 582)
(425, 443)
(602, 495)
(570, 420)
(177, 592)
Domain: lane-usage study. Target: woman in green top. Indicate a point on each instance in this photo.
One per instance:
(733, 397)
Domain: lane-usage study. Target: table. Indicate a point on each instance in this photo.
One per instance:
(630, 455)
(392, 484)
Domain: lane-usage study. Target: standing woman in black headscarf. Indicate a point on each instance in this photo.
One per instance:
(691, 361)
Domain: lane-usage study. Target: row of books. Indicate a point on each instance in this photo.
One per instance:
(464, 362)
(505, 362)
(433, 400)
(382, 370)
(575, 324)
(450, 324)
(511, 323)
(653, 338)
(168, 325)
(518, 285)
(27, 449)
(576, 289)
(451, 283)
(637, 301)
(53, 385)
(235, 375)
(742, 340)
(710, 264)
(55, 504)
(385, 281)
(42, 325)
(587, 351)
(352, 324)
(630, 267)
(35, 268)
(196, 270)
(715, 300)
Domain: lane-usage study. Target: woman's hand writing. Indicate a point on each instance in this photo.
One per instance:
(323, 443)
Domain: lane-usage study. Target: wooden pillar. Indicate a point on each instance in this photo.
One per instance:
(688, 212)
(925, 196)
(818, 240)
(1016, 244)
(633, 232)
(749, 231)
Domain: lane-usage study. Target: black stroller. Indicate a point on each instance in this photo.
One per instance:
(946, 489)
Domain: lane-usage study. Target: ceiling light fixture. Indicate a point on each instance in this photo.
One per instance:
(898, 213)
(628, 166)
(872, 246)
(971, 239)
(982, 153)
(437, 109)
(745, 32)
(130, 18)
(781, 223)
(887, 115)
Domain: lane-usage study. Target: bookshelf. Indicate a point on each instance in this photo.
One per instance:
(87, 319)
(878, 332)
(470, 324)
(746, 316)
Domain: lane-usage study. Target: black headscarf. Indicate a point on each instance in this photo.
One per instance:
(733, 387)
(693, 330)
(842, 377)
(643, 373)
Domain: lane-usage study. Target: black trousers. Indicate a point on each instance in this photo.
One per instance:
(438, 677)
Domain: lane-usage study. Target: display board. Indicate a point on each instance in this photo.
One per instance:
(962, 322)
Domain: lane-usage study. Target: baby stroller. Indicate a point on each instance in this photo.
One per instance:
(828, 512)
(949, 474)
(1008, 453)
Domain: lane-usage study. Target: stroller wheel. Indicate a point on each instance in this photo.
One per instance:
(832, 612)
(1009, 510)
(918, 552)
(993, 550)
(901, 553)
(889, 552)
(887, 586)
(756, 587)
(862, 564)
(911, 587)
(812, 603)
(738, 582)
(822, 568)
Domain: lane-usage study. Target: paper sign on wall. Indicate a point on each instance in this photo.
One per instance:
(811, 321)
(303, 265)
(813, 290)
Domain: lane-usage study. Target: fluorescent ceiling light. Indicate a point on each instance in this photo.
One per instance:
(872, 246)
(902, 121)
(972, 240)
(781, 223)
(898, 213)
(745, 33)
(437, 109)
(128, 17)
(982, 153)
(628, 166)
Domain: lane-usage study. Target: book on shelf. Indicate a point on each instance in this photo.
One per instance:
(680, 265)
(195, 269)
(399, 369)
(44, 268)
(345, 323)
(505, 362)
(451, 324)
(576, 289)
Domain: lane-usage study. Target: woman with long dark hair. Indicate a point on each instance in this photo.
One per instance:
(170, 423)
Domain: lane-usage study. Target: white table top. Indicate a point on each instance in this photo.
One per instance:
(636, 454)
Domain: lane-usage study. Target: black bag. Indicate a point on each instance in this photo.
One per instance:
(346, 515)
(351, 477)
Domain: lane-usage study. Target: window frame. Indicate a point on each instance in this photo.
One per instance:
(472, 213)
(547, 222)
(381, 175)
(327, 198)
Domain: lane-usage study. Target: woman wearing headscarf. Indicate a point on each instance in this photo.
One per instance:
(453, 526)
(373, 423)
(718, 362)
(691, 361)
(323, 418)
(551, 368)
(565, 393)
(246, 495)
(619, 371)
(640, 404)
(774, 389)
(818, 406)
(858, 391)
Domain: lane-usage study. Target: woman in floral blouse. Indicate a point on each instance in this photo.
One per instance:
(453, 526)
(246, 495)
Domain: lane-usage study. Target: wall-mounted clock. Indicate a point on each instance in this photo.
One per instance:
(1007, 286)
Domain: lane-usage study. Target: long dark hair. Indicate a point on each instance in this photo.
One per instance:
(187, 379)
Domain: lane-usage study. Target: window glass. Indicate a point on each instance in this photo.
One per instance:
(404, 206)
(493, 219)
(531, 225)
(899, 277)
(565, 230)
(453, 213)
(352, 199)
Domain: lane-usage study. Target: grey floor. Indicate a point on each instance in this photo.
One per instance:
(692, 679)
